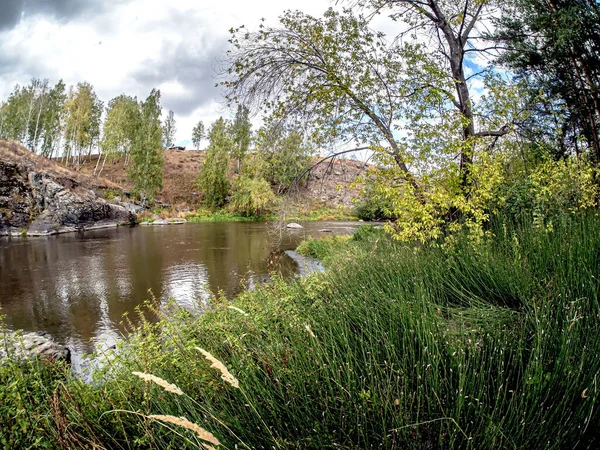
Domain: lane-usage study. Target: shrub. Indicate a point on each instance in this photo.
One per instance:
(252, 196)
(373, 207)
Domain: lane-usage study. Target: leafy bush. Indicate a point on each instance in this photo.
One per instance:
(551, 193)
(372, 206)
(252, 196)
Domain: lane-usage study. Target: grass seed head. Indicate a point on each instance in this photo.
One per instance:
(162, 383)
(183, 422)
(225, 375)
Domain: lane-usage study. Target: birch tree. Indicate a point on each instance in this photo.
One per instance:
(169, 130)
(146, 168)
(198, 134)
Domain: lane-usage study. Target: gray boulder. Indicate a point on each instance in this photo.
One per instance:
(31, 345)
(294, 226)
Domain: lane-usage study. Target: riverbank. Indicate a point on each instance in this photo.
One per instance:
(462, 346)
(299, 212)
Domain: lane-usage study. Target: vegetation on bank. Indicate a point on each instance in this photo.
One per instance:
(461, 345)
(296, 212)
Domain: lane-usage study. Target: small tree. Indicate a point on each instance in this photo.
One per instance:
(252, 196)
(146, 154)
(213, 178)
(198, 134)
(283, 156)
(241, 132)
(169, 130)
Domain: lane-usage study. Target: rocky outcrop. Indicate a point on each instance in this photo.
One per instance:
(38, 203)
(27, 346)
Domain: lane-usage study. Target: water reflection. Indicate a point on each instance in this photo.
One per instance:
(78, 286)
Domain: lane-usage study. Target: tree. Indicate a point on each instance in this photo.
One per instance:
(555, 46)
(52, 120)
(82, 121)
(146, 169)
(282, 156)
(241, 132)
(408, 98)
(252, 196)
(120, 127)
(213, 178)
(198, 134)
(169, 130)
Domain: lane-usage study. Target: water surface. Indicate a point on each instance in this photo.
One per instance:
(78, 286)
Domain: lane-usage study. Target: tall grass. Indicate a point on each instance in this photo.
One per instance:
(393, 347)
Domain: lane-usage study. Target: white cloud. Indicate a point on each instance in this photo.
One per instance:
(135, 45)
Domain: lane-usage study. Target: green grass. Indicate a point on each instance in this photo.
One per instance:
(223, 215)
(392, 347)
(321, 213)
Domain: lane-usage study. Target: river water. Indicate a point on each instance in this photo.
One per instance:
(78, 286)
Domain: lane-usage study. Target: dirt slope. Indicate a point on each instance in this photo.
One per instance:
(328, 184)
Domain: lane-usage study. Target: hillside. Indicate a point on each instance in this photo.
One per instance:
(328, 184)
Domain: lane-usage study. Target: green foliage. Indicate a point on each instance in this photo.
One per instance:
(33, 115)
(213, 179)
(371, 206)
(551, 192)
(241, 133)
(83, 119)
(252, 196)
(146, 167)
(282, 156)
(222, 215)
(555, 46)
(169, 129)
(198, 134)
(121, 126)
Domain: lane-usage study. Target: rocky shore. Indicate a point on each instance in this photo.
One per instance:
(37, 201)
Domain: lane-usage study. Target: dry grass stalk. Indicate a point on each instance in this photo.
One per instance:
(238, 310)
(225, 375)
(183, 422)
(310, 331)
(162, 383)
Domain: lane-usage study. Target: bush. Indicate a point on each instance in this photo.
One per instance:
(372, 206)
(252, 196)
(549, 194)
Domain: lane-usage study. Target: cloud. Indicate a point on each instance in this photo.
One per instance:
(130, 47)
(184, 73)
(14, 11)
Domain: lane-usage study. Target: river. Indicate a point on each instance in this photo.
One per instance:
(78, 286)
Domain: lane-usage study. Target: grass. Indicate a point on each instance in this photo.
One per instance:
(393, 347)
(307, 212)
(200, 215)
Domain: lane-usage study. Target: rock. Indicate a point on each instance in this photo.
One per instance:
(42, 204)
(160, 222)
(295, 226)
(25, 346)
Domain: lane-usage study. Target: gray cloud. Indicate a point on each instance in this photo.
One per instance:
(190, 64)
(13, 11)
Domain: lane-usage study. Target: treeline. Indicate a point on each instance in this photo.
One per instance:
(74, 123)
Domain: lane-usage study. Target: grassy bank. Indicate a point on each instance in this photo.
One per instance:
(393, 347)
(199, 215)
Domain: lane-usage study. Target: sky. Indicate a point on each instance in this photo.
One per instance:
(132, 46)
